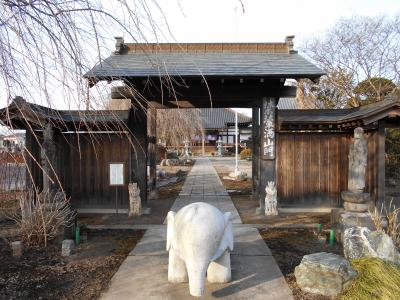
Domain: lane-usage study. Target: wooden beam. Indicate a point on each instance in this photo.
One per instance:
(381, 165)
(152, 144)
(214, 94)
(255, 153)
(138, 150)
(267, 160)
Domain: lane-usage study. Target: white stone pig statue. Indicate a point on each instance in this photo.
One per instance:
(199, 241)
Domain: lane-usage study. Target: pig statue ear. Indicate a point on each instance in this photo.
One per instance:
(170, 229)
(228, 234)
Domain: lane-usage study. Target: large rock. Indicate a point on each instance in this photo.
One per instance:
(361, 242)
(324, 273)
(342, 220)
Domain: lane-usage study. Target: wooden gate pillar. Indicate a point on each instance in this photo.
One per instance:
(152, 144)
(255, 168)
(267, 148)
(138, 150)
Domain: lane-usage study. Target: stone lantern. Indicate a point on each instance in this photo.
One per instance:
(186, 146)
(220, 147)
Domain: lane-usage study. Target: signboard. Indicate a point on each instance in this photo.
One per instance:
(268, 129)
(116, 173)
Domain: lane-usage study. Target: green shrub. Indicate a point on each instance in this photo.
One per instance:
(245, 153)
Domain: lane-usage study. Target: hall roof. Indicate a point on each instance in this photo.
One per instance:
(275, 60)
(20, 112)
(367, 115)
(216, 118)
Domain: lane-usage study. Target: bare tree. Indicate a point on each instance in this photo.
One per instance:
(48, 45)
(176, 125)
(355, 50)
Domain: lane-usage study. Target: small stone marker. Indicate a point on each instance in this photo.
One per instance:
(17, 248)
(66, 248)
(324, 273)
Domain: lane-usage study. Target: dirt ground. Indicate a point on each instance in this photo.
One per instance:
(288, 247)
(240, 192)
(289, 236)
(44, 274)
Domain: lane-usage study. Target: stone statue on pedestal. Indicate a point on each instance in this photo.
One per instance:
(356, 202)
(358, 155)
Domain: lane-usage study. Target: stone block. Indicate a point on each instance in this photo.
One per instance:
(355, 197)
(355, 207)
(336, 214)
(17, 248)
(67, 247)
(324, 273)
(240, 176)
(361, 242)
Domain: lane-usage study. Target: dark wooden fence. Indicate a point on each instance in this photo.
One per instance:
(312, 168)
(83, 167)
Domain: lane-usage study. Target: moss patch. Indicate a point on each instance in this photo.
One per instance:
(376, 279)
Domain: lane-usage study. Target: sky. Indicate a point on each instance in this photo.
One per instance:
(263, 20)
(256, 21)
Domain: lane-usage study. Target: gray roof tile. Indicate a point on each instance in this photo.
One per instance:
(207, 64)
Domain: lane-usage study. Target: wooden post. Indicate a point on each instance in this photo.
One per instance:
(255, 153)
(203, 152)
(152, 140)
(267, 148)
(138, 160)
(381, 165)
(48, 158)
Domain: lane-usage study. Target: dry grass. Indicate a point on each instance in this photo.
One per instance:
(39, 217)
(387, 220)
(376, 279)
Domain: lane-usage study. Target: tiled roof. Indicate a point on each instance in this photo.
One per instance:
(195, 60)
(335, 116)
(288, 103)
(214, 118)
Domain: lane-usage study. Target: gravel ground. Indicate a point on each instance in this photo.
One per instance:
(44, 274)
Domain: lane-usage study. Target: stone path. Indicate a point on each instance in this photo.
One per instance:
(203, 185)
(255, 274)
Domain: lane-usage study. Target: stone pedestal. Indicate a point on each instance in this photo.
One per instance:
(356, 201)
